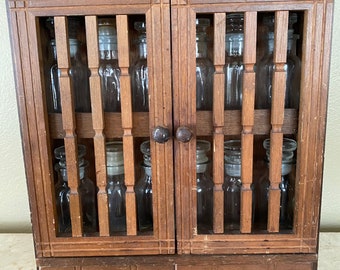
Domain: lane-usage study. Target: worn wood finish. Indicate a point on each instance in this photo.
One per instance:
(171, 64)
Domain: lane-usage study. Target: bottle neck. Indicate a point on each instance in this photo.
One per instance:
(147, 170)
(234, 44)
(142, 49)
(232, 169)
(201, 168)
(115, 170)
(108, 54)
(201, 49)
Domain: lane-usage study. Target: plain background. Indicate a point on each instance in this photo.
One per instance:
(14, 206)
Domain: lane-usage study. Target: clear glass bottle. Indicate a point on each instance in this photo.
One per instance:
(205, 188)
(265, 68)
(143, 190)
(79, 75)
(234, 62)
(109, 70)
(286, 186)
(204, 67)
(139, 72)
(232, 184)
(52, 81)
(86, 191)
(116, 188)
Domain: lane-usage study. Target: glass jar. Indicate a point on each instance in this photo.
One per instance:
(204, 67)
(205, 188)
(143, 190)
(116, 188)
(233, 69)
(139, 72)
(232, 184)
(286, 185)
(109, 70)
(86, 191)
(265, 68)
(79, 75)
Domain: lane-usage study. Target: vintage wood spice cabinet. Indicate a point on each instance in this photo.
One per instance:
(175, 126)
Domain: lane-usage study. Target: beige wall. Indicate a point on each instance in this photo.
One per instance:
(16, 217)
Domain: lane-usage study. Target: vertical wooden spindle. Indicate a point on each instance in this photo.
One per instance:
(69, 124)
(277, 117)
(247, 138)
(98, 123)
(127, 122)
(218, 120)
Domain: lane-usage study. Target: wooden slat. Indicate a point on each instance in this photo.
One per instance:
(248, 98)
(127, 122)
(98, 124)
(277, 117)
(218, 121)
(68, 119)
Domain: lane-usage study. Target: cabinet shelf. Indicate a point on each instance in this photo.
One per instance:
(113, 127)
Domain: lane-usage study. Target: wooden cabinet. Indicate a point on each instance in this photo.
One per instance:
(173, 124)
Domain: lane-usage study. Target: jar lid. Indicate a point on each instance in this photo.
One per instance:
(202, 148)
(232, 151)
(288, 148)
(60, 154)
(114, 153)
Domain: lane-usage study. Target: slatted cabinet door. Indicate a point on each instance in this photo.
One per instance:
(259, 227)
(34, 25)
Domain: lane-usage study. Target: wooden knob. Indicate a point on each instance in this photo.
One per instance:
(184, 134)
(160, 134)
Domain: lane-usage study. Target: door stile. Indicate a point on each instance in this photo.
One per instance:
(247, 135)
(159, 69)
(98, 124)
(33, 131)
(184, 84)
(218, 121)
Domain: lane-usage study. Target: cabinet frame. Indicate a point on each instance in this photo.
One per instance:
(172, 67)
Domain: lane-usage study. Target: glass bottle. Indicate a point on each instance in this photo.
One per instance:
(109, 70)
(205, 187)
(52, 81)
(232, 184)
(265, 68)
(234, 62)
(86, 191)
(139, 72)
(116, 188)
(79, 75)
(143, 190)
(204, 67)
(286, 185)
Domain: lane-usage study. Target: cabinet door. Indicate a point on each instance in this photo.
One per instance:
(62, 29)
(248, 202)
